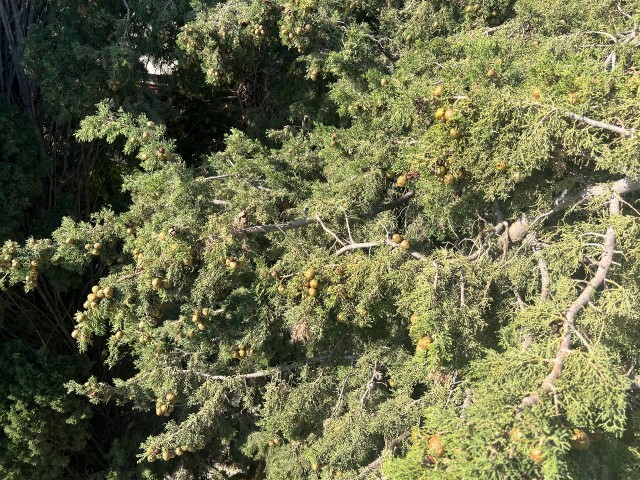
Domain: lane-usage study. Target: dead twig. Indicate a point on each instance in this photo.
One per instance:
(375, 376)
(544, 270)
(341, 242)
(305, 221)
(336, 408)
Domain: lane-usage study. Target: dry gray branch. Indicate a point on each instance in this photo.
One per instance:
(569, 326)
(625, 132)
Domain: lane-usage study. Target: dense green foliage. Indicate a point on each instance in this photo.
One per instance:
(42, 425)
(21, 169)
(353, 239)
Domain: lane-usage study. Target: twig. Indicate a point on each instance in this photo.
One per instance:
(505, 245)
(126, 30)
(519, 228)
(493, 29)
(413, 253)
(330, 232)
(305, 221)
(624, 13)
(218, 177)
(478, 253)
(260, 187)
(467, 402)
(606, 34)
(519, 300)
(500, 217)
(544, 270)
(582, 338)
(610, 60)
(334, 411)
(346, 219)
(544, 279)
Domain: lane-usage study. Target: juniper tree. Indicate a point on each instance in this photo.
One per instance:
(424, 264)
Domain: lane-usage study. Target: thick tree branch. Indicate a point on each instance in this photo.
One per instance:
(569, 326)
(519, 228)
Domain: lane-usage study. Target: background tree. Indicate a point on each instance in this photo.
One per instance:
(414, 252)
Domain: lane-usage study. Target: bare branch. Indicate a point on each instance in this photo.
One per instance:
(346, 219)
(519, 228)
(269, 372)
(580, 303)
(625, 132)
(624, 13)
(606, 34)
(305, 221)
(519, 300)
(336, 408)
(373, 466)
(126, 30)
(610, 60)
(357, 246)
(490, 30)
(544, 279)
(544, 270)
(217, 177)
(371, 383)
